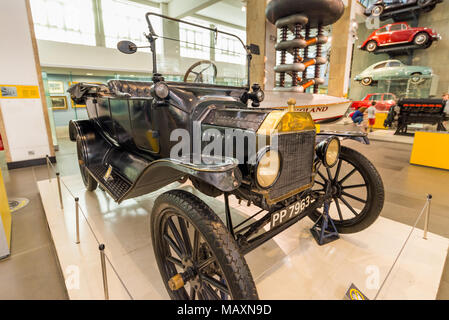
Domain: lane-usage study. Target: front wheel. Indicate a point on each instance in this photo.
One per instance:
(416, 78)
(371, 46)
(377, 11)
(421, 39)
(357, 192)
(424, 3)
(367, 81)
(197, 257)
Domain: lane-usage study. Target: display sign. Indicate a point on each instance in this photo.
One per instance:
(5, 221)
(19, 92)
(354, 293)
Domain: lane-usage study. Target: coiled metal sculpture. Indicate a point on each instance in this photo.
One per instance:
(302, 18)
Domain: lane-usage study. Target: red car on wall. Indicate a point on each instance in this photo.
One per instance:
(384, 101)
(399, 34)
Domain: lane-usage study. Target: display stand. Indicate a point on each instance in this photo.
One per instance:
(324, 230)
(289, 266)
(405, 14)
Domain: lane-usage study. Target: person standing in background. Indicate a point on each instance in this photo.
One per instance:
(371, 116)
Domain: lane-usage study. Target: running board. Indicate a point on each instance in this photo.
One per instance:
(115, 185)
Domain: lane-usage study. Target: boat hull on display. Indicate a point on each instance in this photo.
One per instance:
(322, 108)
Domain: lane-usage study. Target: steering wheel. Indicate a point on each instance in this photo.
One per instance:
(202, 66)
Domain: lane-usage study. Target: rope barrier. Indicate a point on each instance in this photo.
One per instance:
(90, 228)
(403, 247)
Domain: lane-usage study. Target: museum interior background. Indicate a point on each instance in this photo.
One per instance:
(75, 41)
(82, 47)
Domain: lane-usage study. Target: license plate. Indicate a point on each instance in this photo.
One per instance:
(284, 215)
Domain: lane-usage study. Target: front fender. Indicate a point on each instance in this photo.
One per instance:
(356, 136)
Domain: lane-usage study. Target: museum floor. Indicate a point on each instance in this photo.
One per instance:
(32, 271)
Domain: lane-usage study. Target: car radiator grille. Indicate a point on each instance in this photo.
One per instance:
(297, 153)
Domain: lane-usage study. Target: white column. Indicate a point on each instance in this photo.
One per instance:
(24, 123)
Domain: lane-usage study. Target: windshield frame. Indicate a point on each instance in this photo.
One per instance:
(153, 36)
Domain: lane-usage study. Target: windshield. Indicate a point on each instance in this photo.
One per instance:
(198, 51)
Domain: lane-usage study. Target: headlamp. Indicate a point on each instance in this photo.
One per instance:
(161, 90)
(268, 168)
(260, 95)
(328, 151)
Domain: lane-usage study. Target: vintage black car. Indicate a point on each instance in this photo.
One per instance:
(130, 147)
(386, 8)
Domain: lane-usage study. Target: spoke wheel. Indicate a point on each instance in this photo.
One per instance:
(90, 183)
(191, 242)
(357, 191)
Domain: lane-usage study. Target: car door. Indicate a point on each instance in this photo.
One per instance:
(399, 33)
(378, 71)
(393, 69)
(382, 36)
(380, 105)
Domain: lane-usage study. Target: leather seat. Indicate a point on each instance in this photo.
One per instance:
(126, 88)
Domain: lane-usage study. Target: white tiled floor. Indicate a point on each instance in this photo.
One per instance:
(290, 266)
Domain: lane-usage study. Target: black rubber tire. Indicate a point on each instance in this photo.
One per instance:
(424, 3)
(225, 249)
(90, 183)
(422, 44)
(379, 12)
(414, 75)
(366, 81)
(376, 193)
(367, 47)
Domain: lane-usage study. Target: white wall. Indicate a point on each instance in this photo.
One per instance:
(23, 118)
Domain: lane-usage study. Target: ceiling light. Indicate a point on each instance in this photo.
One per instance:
(89, 74)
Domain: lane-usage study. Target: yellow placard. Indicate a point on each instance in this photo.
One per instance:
(430, 149)
(19, 92)
(380, 119)
(5, 214)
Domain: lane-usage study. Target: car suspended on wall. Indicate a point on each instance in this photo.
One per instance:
(127, 148)
(384, 101)
(387, 8)
(399, 34)
(392, 70)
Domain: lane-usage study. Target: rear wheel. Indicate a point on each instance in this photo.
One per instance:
(357, 192)
(90, 183)
(197, 257)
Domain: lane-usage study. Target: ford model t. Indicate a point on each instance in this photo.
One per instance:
(142, 136)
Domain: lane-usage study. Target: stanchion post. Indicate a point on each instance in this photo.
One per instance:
(103, 270)
(77, 216)
(48, 168)
(426, 221)
(58, 178)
